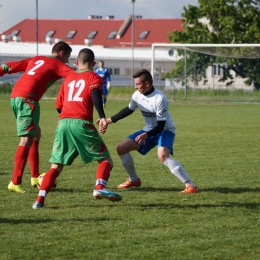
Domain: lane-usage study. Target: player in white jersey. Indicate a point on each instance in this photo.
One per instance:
(159, 130)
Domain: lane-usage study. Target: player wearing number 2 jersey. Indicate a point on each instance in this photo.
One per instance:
(76, 133)
(39, 73)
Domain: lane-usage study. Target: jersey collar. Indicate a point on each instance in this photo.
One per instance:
(150, 91)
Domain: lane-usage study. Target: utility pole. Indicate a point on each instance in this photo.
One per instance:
(37, 35)
(133, 64)
(0, 7)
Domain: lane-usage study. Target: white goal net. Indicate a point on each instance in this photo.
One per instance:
(200, 67)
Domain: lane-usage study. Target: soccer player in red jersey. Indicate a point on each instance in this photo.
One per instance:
(76, 134)
(40, 72)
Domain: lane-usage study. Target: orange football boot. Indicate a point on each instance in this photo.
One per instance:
(190, 189)
(129, 184)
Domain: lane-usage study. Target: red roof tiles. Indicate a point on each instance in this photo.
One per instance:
(158, 30)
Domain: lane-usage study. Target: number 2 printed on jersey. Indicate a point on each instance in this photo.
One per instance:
(38, 63)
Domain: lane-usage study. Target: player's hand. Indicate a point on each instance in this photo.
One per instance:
(140, 139)
(108, 120)
(102, 124)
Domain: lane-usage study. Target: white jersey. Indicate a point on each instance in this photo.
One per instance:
(154, 107)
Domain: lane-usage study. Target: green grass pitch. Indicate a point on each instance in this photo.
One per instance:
(218, 145)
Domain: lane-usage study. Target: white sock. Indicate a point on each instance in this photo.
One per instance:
(128, 163)
(176, 169)
(42, 193)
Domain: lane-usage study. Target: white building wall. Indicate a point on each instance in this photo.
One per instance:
(212, 83)
(118, 60)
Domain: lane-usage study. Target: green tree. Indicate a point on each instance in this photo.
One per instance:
(232, 22)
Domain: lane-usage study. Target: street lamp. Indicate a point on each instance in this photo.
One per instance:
(133, 65)
(37, 36)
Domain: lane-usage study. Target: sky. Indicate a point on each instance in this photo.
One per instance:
(14, 11)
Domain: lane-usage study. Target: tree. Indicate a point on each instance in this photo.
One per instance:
(229, 21)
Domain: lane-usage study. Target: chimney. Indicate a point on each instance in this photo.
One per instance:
(90, 17)
(88, 42)
(110, 17)
(5, 38)
(16, 38)
(49, 40)
(56, 40)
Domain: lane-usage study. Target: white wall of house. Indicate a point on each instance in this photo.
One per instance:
(213, 76)
(118, 60)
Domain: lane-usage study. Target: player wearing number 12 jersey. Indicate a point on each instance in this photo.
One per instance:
(76, 134)
(40, 72)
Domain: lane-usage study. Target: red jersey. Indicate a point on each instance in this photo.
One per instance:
(75, 98)
(40, 72)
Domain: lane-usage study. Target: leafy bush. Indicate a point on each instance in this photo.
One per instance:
(6, 88)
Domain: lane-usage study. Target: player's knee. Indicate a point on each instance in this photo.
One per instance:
(163, 153)
(26, 140)
(162, 157)
(57, 166)
(119, 149)
(107, 160)
(110, 161)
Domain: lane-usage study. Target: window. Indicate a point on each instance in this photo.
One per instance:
(49, 34)
(112, 35)
(218, 69)
(143, 35)
(91, 35)
(114, 71)
(14, 33)
(117, 71)
(71, 34)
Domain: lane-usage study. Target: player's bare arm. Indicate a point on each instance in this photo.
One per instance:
(109, 120)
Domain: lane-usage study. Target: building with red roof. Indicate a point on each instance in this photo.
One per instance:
(121, 43)
(108, 32)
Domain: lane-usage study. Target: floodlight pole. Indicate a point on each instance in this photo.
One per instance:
(153, 61)
(133, 64)
(37, 36)
(185, 73)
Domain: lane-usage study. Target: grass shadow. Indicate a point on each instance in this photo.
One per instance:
(48, 220)
(6, 173)
(226, 190)
(69, 190)
(165, 206)
(223, 190)
(149, 189)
